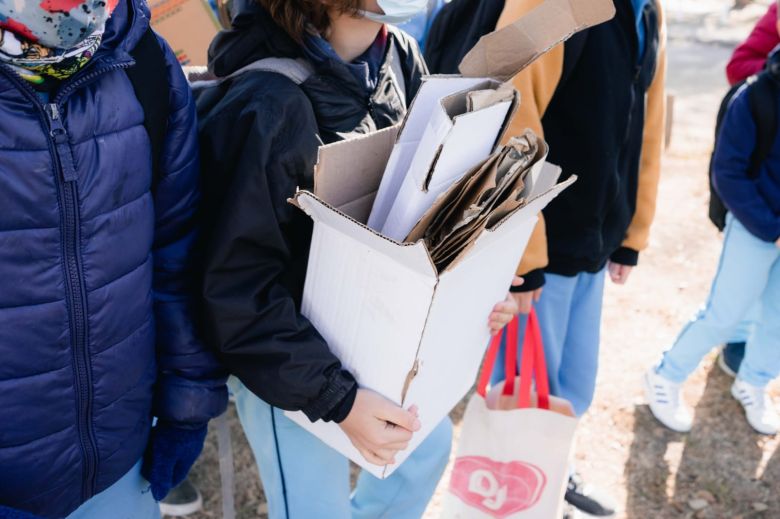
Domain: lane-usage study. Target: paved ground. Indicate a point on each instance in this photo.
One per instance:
(651, 472)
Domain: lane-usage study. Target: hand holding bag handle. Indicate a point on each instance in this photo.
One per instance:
(533, 364)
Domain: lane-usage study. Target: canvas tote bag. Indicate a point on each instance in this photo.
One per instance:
(516, 443)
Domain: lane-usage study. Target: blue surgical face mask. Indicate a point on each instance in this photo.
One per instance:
(397, 11)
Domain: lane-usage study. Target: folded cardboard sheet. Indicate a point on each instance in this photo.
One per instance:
(481, 199)
(463, 129)
(407, 328)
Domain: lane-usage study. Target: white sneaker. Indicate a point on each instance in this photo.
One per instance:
(759, 410)
(666, 402)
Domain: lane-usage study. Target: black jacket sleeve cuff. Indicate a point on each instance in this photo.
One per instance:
(533, 280)
(625, 256)
(339, 413)
(334, 401)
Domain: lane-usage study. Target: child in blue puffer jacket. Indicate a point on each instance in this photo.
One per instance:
(749, 271)
(97, 225)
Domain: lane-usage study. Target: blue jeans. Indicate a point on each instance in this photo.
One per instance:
(749, 272)
(569, 313)
(128, 498)
(302, 477)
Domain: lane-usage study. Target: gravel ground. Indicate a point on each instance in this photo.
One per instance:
(721, 465)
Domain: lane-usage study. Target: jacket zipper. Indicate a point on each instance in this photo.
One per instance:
(76, 295)
(76, 292)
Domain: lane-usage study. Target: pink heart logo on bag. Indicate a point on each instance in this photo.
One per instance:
(497, 489)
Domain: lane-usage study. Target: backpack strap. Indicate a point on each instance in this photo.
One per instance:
(149, 78)
(296, 70)
(762, 96)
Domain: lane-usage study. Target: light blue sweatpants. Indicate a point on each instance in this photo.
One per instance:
(128, 498)
(749, 272)
(303, 478)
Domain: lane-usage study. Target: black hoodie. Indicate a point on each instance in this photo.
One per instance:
(259, 135)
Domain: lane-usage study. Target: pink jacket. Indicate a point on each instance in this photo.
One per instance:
(749, 58)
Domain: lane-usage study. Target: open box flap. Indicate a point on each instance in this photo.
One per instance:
(350, 171)
(504, 53)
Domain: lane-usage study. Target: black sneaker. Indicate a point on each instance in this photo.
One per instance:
(730, 358)
(182, 500)
(581, 498)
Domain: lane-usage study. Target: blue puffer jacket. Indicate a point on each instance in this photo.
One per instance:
(754, 202)
(95, 279)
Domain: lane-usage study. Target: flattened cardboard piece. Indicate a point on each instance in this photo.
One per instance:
(432, 90)
(468, 249)
(434, 218)
(440, 105)
(541, 180)
(470, 139)
(480, 199)
(504, 53)
(188, 26)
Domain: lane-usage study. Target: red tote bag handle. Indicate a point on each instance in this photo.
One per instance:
(533, 365)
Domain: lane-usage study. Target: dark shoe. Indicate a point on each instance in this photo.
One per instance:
(730, 358)
(182, 500)
(585, 501)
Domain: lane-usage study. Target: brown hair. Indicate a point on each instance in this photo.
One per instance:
(294, 15)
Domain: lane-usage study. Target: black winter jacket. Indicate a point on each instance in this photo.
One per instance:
(259, 135)
(595, 127)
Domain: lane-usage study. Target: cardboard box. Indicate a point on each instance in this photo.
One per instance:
(406, 331)
(188, 26)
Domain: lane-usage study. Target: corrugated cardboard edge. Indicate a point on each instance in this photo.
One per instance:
(503, 54)
(308, 194)
(296, 201)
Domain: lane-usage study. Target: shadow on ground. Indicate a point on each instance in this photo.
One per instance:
(719, 462)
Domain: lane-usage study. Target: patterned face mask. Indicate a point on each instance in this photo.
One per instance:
(57, 24)
(51, 38)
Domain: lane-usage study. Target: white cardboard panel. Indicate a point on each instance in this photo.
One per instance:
(465, 144)
(370, 310)
(417, 122)
(432, 91)
(424, 129)
(470, 142)
(457, 334)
